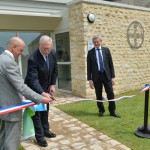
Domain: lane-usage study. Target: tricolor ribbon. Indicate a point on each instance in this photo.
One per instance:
(147, 86)
(28, 103)
(13, 108)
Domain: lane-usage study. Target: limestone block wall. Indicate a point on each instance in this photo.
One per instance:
(145, 3)
(132, 66)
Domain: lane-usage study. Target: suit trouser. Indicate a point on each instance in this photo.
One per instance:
(9, 135)
(103, 81)
(41, 125)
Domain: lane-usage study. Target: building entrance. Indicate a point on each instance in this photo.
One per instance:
(31, 39)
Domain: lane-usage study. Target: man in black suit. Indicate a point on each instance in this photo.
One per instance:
(41, 77)
(100, 72)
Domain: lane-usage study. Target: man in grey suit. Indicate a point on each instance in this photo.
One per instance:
(11, 88)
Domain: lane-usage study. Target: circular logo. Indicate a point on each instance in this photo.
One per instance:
(135, 35)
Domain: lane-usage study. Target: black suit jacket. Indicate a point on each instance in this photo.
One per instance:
(92, 66)
(38, 77)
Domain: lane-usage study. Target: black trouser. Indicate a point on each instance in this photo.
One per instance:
(103, 81)
(41, 125)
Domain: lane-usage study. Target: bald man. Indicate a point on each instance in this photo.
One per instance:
(12, 86)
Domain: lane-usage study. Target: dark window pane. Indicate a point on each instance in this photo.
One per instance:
(63, 47)
(64, 77)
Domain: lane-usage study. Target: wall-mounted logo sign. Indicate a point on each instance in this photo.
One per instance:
(135, 35)
(90, 44)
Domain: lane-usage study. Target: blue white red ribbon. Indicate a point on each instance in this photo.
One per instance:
(9, 109)
(27, 104)
(147, 86)
(116, 99)
(104, 100)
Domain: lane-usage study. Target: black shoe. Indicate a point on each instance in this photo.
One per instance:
(50, 134)
(115, 115)
(101, 114)
(42, 143)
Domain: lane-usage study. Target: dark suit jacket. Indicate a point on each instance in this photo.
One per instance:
(38, 77)
(92, 66)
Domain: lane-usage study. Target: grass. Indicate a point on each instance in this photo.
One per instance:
(21, 147)
(121, 129)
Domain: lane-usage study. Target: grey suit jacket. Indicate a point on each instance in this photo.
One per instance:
(11, 86)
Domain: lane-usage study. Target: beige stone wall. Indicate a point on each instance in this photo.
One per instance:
(132, 66)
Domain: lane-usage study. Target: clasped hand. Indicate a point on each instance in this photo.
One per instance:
(47, 98)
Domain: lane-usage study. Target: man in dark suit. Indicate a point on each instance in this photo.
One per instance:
(41, 77)
(100, 72)
(11, 88)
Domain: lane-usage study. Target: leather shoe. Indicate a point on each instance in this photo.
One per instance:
(50, 134)
(42, 143)
(115, 115)
(101, 114)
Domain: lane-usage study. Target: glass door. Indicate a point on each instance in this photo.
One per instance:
(64, 64)
(4, 37)
(31, 40)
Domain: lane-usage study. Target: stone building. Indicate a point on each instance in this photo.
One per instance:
(125, 29)
(143, 3)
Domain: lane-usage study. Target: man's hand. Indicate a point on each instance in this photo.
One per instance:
(46, 95)
(91, 84)
(46, 100)
(49, 96)
(52, 89)
(23, 98)
(113, 81)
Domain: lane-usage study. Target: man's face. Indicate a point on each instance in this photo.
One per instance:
(18, 50)
(97, 43)
(45, 48)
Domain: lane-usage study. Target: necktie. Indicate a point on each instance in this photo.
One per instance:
(101, 64)
(47, 62)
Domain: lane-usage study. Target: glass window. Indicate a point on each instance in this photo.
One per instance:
(64, 76)
(63, 47)
(4, 37)
(63, 57)
(32, 41)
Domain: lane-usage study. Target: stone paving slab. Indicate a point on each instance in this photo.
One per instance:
(72, 134)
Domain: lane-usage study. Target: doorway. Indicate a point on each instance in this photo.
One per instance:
(64, 63)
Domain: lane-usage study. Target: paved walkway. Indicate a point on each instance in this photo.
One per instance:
(72, 134)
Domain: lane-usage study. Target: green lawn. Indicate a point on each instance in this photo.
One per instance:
(122, 129)
(21, 148)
